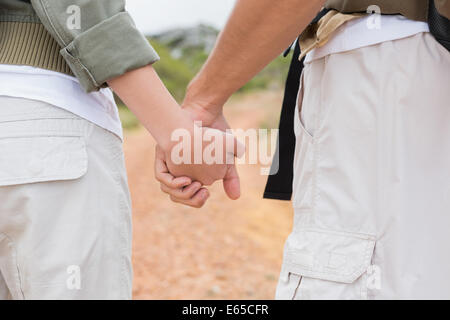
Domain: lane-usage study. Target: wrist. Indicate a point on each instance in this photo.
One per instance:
(204, 94)
(180, 124)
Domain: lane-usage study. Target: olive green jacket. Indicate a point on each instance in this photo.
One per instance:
(95, 40)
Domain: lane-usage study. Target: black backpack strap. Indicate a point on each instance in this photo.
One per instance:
(439, 26)
(279, 183)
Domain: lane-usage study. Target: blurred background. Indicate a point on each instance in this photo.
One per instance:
(228, 249)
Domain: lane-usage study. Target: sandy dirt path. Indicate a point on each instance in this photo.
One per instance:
(226, 250)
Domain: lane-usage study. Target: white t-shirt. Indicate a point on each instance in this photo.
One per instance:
(367, 31)
(62, 91)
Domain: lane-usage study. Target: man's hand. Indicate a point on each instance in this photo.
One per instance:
(192, 192)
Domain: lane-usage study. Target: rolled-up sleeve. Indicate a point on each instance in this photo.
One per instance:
(99, 39)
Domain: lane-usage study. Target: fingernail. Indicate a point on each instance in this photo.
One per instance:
(197, 185)
(205, 194)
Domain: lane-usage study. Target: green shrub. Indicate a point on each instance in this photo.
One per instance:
(175, 73)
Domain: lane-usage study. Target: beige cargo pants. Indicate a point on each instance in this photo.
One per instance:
(65, 216)
(372, 176)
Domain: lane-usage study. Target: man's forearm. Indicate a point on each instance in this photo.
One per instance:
(256, 33)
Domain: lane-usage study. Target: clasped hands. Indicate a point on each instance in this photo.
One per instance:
(186, 183)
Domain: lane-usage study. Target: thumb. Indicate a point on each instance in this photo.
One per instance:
(231, 183)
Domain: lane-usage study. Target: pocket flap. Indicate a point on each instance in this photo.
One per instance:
(328, 255)
(26, 160)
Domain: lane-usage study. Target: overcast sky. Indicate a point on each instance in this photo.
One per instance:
(152, 16)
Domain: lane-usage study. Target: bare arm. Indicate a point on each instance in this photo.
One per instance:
(256, 33)
(146, 96)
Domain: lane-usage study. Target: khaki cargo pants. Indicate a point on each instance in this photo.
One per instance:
(65, 214)
(372, 176)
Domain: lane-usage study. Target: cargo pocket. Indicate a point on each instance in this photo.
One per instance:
(25, 160)
(322, 264)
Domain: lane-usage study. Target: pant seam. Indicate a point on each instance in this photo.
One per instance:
(19, 278)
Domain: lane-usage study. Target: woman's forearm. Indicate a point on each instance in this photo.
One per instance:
(147, 97)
